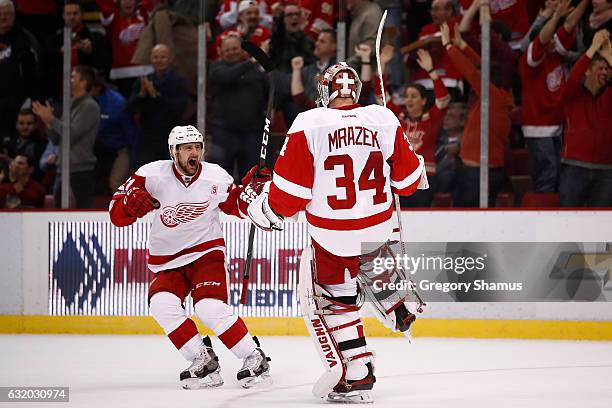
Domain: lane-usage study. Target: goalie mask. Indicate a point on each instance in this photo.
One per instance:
(181, 135)
(339, 80)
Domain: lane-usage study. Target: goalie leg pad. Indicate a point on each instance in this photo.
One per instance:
(389, 306)
(332, 317)
(324, 342)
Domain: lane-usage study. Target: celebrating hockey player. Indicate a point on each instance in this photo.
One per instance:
(187, 254)
(341, 163)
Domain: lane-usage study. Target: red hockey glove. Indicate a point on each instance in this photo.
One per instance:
(252, 185)
(138, 202)
(255, 177)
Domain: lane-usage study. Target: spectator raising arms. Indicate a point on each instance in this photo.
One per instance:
(238, 91)
(124, 22)
(586, 173)
(543, 82)
(441, 12)
(289, 40)
(422, 126)
(468, 180)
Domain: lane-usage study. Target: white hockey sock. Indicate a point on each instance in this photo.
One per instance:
(230, 329)
(167, 310)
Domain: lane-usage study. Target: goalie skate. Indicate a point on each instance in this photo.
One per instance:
(356, 391)
(255, 371)
(353, 397)
(204, 371)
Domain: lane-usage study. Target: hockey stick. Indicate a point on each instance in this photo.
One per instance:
(262, 58)
(398, 210)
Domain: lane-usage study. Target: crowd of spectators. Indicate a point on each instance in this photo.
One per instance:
(134, 77)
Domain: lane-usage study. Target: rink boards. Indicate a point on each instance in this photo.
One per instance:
(73, 272)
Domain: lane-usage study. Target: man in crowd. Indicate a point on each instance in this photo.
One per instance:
(158, 100)
(238, 92)
(18, 68)
(22, 191)
(586, 172)
(88, 48)
(84, 123)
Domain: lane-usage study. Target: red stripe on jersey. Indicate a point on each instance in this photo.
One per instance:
(162, 259)
(403, 163)
(234, 334)
(349, 224)
(183, 333)
(360, 332)
(283, 203)
(295, 162)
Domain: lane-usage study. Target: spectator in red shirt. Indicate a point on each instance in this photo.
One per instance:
(422, 126)
(124, 22)
(586, 172)
(543, 82)
(467, 188)
(441, 12)
(22, 190)
(512, 13)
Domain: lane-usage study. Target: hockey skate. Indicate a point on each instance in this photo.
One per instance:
(204, 371)
(354, 392)
(255, 371)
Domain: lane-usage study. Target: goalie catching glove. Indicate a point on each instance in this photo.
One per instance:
(138, 202)
(261, 214)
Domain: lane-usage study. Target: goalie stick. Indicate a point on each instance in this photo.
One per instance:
(262, 58)
(398, 211)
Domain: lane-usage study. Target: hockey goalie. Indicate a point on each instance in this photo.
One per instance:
(341, 163)
(187, 254)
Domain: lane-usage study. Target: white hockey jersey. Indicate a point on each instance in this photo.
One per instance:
(341, 166)
(186, 225)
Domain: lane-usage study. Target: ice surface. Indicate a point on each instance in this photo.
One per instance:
(142, 371)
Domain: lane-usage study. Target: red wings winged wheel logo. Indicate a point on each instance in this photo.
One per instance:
(182, 213)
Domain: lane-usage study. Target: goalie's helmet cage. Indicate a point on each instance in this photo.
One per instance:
(339, 80)
(181, 135)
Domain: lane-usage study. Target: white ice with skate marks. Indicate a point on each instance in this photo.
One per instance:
(142, 371)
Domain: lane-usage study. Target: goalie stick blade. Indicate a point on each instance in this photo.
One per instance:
(258, 54)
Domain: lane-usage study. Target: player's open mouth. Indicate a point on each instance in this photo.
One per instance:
(192, 162)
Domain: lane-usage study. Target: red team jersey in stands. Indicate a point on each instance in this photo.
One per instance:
(513, 13)
(341, 166)
(428, 126)
(444, 67)
(186, 226)
(319, 16)
(543, 83)
(124, 33)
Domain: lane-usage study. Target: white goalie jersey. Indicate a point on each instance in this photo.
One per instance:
(341, 166)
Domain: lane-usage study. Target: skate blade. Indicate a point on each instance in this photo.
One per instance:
(261, 381)
(353, 397)
(213, 380)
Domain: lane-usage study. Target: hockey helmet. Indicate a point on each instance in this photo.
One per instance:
(339, 80)
(184, 134)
